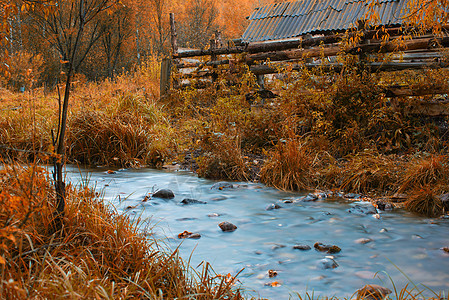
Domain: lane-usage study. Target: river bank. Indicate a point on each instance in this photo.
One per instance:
(341, 136)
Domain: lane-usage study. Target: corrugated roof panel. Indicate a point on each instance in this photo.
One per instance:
(285, 20)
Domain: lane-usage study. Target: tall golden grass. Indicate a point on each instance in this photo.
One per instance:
(98, 254)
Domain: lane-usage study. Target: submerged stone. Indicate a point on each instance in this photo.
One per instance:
(164, 194)
(327, 263)
(188, 201)
(362, 210)
(353, 196)
(222, 185)
(302, 247)
(363, 241)
(273, 206)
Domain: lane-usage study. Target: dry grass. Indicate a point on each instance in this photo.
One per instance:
(424, 201)
(425, 170)
(289, 167)
(98, 254)
(365, 172)
(223, 158)
(134, 133)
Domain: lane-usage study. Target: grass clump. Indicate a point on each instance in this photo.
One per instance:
(98, 254)
(134, 133)
(425, 202)
(289, 167)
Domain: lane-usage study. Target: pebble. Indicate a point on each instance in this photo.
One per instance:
(363, 210)
(188, 201)
(327, 263)
(227, 226)
(352, 196)
(363, 241)
(273, 206)
(188, 235)
(372, 292)
(222, 185)
(302, 247)
(213, 215)
(164, 194)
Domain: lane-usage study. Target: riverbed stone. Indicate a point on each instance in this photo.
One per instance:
(302, 247)
(309, 198)
(164, 194)
(363, 209)
(353, 196)
(363, 240)
(327, 263)
(373, 292)
(189, 235)
(227, 226)
(383, 205)
(328, 248)
(188, 201)
(222, 185)
(273, 206)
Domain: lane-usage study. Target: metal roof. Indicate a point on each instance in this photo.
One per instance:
(292, 19)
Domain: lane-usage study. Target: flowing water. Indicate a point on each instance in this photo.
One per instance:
(404, 246)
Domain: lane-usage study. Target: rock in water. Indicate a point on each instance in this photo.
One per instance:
(363, 210)
(227, 226)
(329, 248)
(188, 235)
(222, 185)
(363, 241)
(164, 194)
(188, 201)
(373, 292)
(327, 263)
(273, 206)
(302, 247)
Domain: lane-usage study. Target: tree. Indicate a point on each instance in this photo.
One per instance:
(117, 29)
(66, 27)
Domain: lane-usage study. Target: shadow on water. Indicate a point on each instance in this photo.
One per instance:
(397, 243)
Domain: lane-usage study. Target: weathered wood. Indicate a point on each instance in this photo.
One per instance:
(397, 45)
(292, 54)
(404, 91)
(433, 109)
(165, 75)
(203, 64)
(219, 39)
(201, 52)
(427, 43)
(336, 67)
(173, 34)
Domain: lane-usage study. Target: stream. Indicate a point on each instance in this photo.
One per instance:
(398, 247)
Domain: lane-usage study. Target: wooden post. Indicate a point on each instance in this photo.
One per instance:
(218, 39)
(165, 76)
(213, 57)
(261, 81)
(174, 35)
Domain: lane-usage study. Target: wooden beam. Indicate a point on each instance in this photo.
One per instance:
(404, 91)
(393, 46)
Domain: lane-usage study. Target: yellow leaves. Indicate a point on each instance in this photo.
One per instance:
(2, 260)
